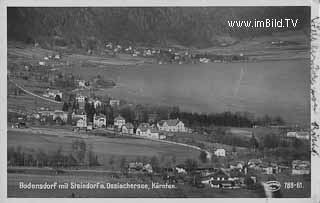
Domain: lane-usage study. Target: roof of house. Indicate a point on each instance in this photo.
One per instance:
(300, 162)
(144, 127)
(118, 118)
(99, 116)
(170, 122)
(255, 161)
(77, 119)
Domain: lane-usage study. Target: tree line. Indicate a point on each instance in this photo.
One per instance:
(81, 155)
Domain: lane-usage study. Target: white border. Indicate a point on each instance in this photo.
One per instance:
(315, 195)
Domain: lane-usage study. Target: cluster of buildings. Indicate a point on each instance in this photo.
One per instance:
(299, 135)
(147, 130)
(234, 176)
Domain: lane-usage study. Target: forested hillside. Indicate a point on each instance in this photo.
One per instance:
(189, 26)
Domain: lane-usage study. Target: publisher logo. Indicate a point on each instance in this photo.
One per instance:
(273, 186)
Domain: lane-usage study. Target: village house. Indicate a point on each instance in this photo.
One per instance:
(139, 167)
(254, 163)
(127, 128)
(119, 121)
(270, 168)
(220, 152)
(79, 119)
(145, 130)
(172, 125)
(79, 114)
(42, 63)
(153, 133)
(142, 129)
(219, 179)
(80, 123)
(95, 102)
(53, 93)
(114, 102)
(300, 167)
(299, 135)
(239, 165)
(81, 83)
(99, 121)
(238, 177)
(60, 114)
(80, 98)
(57, 56)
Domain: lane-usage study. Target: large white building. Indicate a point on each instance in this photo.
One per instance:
(172, 125)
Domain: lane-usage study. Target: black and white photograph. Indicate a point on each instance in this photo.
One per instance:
(158, 102)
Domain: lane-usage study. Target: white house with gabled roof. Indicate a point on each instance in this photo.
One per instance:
(171, 125)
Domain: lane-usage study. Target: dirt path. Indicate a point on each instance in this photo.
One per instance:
(32, 94)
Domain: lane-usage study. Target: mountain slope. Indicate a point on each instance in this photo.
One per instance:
(190, 26)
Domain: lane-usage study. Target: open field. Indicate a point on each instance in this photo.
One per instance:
(103, 147)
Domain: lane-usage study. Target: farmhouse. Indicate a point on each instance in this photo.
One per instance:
(127, 128)
(80, 98)
(119, 121)
(99, 121)
(79, 114)
(299, 135)
(219, 179)
(53, 93)
(254, 163)
(139, 167)
(142, 129)
(80, 122)
(42, 63)
(237, 165)
(153, 133)
(82, 83)
(60, 114)
(300, 167)
(95, 102)
(172, 125)
(114, 102)
(79, 119)
(220, 152)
